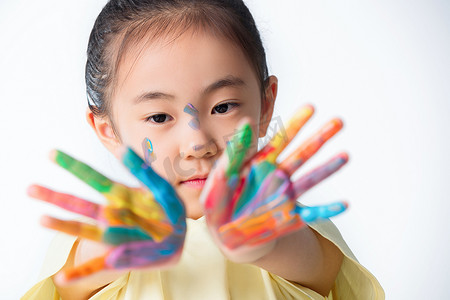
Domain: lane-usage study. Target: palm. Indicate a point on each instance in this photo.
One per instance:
(143, 227)
(260, 203)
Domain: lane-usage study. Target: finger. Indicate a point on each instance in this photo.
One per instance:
(320, 173)
(217, 194)
(314, 213)
(76, 228)
(65, 201)
(236, 152)
(225, 184)
(88, 268)
(271, 151)
(162, 191)
(237, 149)
(311, 146)
(82, 171)
(226, 169)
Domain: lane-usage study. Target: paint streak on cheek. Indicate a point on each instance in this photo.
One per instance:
(147, 148)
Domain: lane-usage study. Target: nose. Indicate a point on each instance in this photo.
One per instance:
(198, 143)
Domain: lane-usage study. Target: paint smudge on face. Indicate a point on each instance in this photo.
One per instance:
(198, 147)
(191, 110)
(201, 147)
(147, 147)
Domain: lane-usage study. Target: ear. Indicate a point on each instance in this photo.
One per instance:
(104, 130)
(268, 104)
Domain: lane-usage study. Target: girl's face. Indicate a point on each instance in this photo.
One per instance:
(187, 97)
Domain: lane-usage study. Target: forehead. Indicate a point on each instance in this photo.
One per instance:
(193, 56)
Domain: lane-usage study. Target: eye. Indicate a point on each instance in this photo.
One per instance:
(159, 118)
(224, 108)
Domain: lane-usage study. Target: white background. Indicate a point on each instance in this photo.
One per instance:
(383, 66)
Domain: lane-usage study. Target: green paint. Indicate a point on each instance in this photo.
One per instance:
(133, 161)
(238, 148)
(87, 174)
(122, 235)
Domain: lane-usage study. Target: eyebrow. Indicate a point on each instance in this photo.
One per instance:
(151, 96)
(228, 81)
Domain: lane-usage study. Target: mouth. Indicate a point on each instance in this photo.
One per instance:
(195, 183)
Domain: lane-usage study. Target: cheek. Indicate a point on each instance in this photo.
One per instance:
(155, 148)
(162, 156)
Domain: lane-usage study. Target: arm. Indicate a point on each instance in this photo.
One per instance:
(304, 257)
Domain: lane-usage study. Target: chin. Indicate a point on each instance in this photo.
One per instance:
(191, 201)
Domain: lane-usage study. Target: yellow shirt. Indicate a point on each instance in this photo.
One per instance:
(204, 273)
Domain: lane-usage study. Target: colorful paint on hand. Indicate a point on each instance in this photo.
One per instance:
(252, 200)
(147, 148)
(191, 110)
(144, 226)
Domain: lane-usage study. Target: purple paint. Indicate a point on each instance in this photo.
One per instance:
(191, 110)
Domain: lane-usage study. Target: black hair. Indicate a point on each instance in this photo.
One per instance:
(123, 22)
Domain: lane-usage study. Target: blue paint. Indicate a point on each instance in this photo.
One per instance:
(191, 110)
(315, 213)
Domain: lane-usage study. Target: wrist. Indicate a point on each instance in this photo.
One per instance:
(249, 254)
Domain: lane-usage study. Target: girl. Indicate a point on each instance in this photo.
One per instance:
(174, 80)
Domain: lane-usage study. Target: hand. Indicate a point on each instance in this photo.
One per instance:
(249, 203)
(144, 227)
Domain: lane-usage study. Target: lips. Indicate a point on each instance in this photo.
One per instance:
(196, 182)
